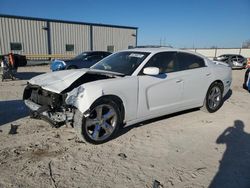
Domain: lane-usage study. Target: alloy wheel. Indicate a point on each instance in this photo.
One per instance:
(101, 122)
(214, 97)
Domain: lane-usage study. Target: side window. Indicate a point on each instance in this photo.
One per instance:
(233, 58)
(94, 58)
(189, 61)
(165, 61)
(106, 54)
(102, 54)
(239, 58)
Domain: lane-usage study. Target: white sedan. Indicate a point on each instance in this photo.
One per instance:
(128, 87)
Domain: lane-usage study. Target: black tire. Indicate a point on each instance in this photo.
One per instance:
(80, 122)
(208, 105)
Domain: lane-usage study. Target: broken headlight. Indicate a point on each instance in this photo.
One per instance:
(73, 95)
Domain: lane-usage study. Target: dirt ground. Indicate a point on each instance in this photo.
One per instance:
(188, 149)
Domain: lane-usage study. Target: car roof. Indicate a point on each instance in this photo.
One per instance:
(96, 52)
(230, 55)
(163, 49)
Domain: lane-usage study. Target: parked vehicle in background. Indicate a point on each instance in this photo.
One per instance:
(126, 88)
(83, 60)
(246, 84)
(234, 60)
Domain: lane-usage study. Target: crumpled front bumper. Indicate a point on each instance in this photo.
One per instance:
(55, 118)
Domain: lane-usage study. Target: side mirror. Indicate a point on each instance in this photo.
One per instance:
(151, 71)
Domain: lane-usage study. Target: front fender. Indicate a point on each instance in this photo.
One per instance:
(83, 97)
(125, 88)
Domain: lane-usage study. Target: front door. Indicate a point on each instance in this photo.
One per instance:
(160, 94)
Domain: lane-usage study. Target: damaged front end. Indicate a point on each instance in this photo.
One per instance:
(53, 96)
(47, 105)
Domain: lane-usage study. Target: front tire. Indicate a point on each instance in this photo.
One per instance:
(102, 124)
(214, 98)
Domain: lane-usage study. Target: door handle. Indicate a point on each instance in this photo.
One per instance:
(179, 80)
(208, 74)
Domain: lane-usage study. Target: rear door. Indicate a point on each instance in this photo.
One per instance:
(196, 78)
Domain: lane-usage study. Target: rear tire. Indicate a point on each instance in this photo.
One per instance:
(101, 125)
(214, 98)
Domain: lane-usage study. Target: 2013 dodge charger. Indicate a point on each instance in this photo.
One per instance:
(128, 87)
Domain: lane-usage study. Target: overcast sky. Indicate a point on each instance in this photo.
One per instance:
(180, 23)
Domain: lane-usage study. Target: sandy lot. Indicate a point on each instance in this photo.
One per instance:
(189, 149)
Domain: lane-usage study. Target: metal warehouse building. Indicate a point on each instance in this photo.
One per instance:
(43, 37)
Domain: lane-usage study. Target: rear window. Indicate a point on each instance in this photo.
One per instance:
(189, 61)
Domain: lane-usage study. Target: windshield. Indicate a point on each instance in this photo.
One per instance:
(122, 62)
(81, 56)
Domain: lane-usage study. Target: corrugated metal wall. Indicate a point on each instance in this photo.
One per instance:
(42, 36)
(120, 38)
(62, 34)
(29, 33)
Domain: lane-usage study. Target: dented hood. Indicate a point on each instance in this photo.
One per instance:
(57, 81)
(61, 80)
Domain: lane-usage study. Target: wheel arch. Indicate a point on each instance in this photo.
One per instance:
(79, 122)
(204, 106)
(219, 82)
(115, 99)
